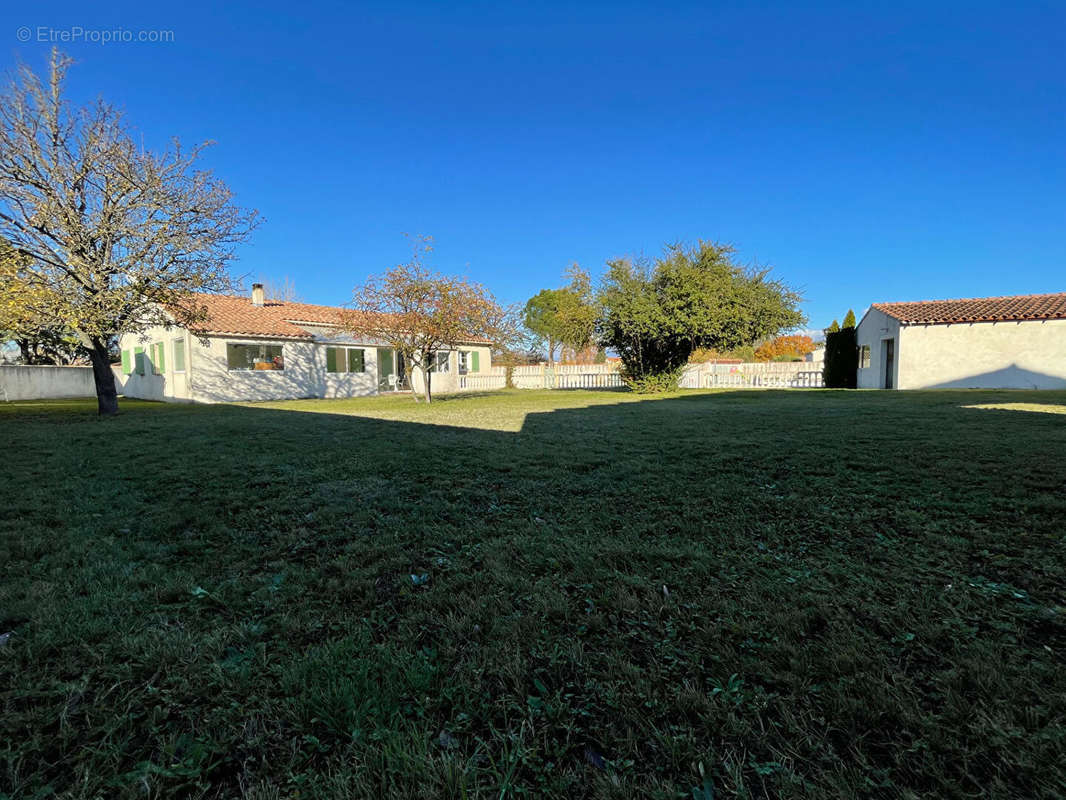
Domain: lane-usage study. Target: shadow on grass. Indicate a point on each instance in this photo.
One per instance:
(779, 585)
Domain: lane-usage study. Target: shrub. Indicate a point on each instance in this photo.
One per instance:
(655, 314)
(652, 383)
(841, 359)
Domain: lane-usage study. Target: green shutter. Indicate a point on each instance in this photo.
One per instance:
(331, 359)
(127, 365)
(355, 361)
(162, 358)
(138, 356)
(474, 365)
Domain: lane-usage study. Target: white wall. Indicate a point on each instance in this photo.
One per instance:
(304, 374)
(984, 355)
(445, 382)
(39, 383)
(873, 330)
(165, 384)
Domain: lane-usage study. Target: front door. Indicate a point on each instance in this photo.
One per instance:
(385, 371)
(890, 361)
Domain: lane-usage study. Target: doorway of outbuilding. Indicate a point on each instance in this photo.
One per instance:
(888, 347)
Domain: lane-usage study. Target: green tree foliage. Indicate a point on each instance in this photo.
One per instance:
(833, 328)
(841, 359)
(849, 319)
(654, 315)
(563, 317)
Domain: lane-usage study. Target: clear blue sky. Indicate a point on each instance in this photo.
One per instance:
(886, 151)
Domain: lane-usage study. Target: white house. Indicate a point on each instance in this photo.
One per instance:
(250, 348)
(989, 343)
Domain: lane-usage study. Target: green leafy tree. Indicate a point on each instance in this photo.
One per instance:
(563, 317)
(849, 319)
(833, 328)
(654, 315)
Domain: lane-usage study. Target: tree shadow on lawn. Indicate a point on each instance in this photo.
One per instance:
(802, 591)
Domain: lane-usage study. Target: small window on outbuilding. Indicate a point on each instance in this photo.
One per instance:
(864, 356)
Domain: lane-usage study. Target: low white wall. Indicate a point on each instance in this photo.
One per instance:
(768, 374)
(754, 375)
(42, 383)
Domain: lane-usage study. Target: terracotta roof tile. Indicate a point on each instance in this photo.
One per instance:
(234, 314)
(1017, 308)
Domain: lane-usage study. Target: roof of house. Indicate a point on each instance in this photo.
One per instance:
(235, 314)
(1018, 308)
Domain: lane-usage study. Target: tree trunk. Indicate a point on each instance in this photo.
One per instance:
(427, 359)
(106, 394)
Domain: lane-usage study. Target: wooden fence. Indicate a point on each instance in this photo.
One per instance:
(761, 375)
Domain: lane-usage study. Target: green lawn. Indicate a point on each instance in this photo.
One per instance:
(570, 594)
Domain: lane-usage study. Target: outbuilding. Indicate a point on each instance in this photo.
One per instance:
(1014, 342)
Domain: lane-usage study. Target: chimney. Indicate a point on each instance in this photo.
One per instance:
(257, 294)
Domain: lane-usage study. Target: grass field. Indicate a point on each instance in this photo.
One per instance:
(571, 594)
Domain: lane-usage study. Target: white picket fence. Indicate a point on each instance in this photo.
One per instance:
(760, 375)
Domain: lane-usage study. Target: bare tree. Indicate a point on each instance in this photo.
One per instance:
(283, 291)
(419, 313)
(115, 238)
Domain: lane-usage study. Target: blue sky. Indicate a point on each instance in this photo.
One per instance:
(866, 151)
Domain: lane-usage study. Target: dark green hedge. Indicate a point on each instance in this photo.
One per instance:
(841, 359)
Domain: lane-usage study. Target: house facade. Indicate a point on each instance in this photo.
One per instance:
(250, 349)
(1014, 342)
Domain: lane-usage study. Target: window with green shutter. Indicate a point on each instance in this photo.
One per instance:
(331, 359)
(475, 365)
(356, 360)
(158, 361)
(138, 357)
(127, 362)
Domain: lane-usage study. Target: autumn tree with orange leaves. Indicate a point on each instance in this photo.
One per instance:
(794, 347)
(419, 313)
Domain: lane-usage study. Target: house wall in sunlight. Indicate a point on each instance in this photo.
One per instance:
(966, 355)
(984, 355)
(304, 374)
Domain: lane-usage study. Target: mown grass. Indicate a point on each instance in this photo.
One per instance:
(810, 594)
